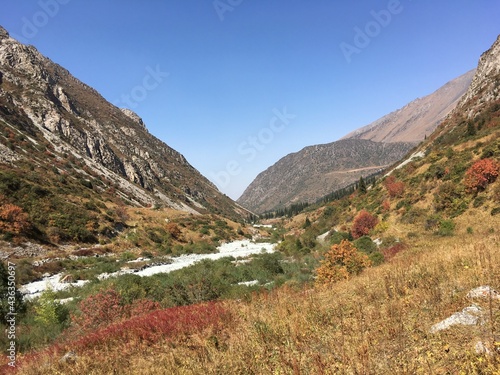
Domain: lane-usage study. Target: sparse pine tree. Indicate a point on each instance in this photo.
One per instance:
(362, 186)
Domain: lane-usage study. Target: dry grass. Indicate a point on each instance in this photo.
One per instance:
(376, 323)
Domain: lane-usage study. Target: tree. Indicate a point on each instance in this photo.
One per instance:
(363, 223)
(340, 262)
(362, 185)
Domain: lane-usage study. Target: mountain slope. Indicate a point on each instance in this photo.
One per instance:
(315, 171)
(291, 180)
(43, 106)
(417, 119)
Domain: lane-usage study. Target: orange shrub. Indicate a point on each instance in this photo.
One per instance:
(363, 223)
(481, 173)
(394, 188)
(340, 262)
(174, 230)
(13, 219)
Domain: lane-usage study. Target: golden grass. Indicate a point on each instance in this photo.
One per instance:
(376, 323)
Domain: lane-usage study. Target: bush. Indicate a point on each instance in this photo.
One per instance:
(365, 245)
(394, 188)
(13, 219)
(363, 223)
(446, 228)
(450, 198)
(340, 262)
(337, 237)
(481, 173)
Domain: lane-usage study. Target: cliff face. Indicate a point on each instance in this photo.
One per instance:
(43, 100)
(484, 87)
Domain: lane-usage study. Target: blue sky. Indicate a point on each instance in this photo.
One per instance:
(234, 85)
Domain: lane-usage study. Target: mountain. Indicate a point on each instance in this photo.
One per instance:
(58, 134)
(417, 119)
(315, 171)
(318, 170)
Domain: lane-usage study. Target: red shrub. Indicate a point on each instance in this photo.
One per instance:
(99, 310)
(393, 250)
(165, 324)
(174, 230)
(394, 188)
(363, 223)
(481, 173)
(386, 205)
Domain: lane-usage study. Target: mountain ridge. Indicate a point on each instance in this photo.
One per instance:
(415, 120)
(40, 97)
(405, 128)
(317, 170)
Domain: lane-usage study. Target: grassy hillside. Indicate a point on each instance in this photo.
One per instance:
(375, 323)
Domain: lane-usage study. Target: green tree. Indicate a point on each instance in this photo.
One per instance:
(362, 185)
(49, 311)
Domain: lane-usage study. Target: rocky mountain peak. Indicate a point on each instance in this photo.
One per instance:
(133, 116)
(483, 84)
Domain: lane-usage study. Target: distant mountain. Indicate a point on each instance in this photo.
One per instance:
(315, 171)
(417, 119)
(318, 170)
(57, 133)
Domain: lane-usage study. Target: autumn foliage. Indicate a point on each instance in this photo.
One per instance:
(155, 326)
(394, 188)
(13, 219)
(340, 262)
(108, 307)
(174, 230)
(481, 173)
(363, 223)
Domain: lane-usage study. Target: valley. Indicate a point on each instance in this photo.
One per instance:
(377, 253)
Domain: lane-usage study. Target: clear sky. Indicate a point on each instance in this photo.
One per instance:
(234, 85)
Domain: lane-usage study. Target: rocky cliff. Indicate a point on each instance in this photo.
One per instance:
(42, 101)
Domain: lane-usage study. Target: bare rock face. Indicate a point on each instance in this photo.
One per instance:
(133, 116)
(484, 87)
(42, 98)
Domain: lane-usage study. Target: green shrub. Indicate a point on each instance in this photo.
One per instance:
(337, 237)
(446, 228)
(365, 245)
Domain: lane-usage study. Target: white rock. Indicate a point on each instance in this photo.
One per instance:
(484, 291)
(469, 316)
